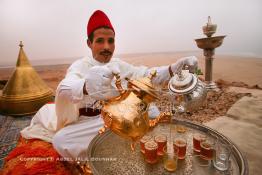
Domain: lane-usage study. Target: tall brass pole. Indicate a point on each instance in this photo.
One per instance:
(209, 44)
(209, 53)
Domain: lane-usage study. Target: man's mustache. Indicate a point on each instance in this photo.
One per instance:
(106, 52)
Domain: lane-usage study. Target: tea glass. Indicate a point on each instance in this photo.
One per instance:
(180, 143)
(161, 141)
(151, 152)
(170, 159)
(143, 140)
(197, 138)
(207, 149)
(222, 157)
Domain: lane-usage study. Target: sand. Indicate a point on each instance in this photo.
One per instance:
(229, 68)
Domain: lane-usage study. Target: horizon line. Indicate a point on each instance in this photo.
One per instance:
(69, 60)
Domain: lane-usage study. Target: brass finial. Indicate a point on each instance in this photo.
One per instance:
(209, 29)
(21, 44)
(209, 21)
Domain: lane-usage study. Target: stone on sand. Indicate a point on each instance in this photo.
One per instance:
(247, 109)
(243, 127)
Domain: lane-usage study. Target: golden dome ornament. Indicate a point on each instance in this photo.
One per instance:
(25, 92)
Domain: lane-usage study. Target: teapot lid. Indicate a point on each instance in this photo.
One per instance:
(183, 82)
(144, 85)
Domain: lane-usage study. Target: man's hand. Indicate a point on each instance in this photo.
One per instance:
(98, 83)
(191, 62)
(164, 74)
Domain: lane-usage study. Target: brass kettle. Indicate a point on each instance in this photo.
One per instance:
(127, 114)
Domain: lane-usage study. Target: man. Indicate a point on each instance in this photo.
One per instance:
(71, 123)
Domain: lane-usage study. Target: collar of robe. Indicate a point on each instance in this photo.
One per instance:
(93, 62)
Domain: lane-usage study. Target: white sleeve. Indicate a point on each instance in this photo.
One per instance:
(69, 92)
(135, 72)
(66, 111)
(73, 82)
(131, 71)
(162, 76)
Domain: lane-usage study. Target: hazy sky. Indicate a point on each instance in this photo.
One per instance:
(57, 28)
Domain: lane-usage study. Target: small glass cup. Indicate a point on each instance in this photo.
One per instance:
(221, 159)
(170, 159)
(161, 141)
(181, 129)
(163, 129)
(207, 148)
(151, 152)
(143, 140)
(197, 138)
(180, 144)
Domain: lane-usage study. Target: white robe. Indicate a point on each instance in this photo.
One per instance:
(61, 124)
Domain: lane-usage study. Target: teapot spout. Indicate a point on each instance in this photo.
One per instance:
(164, 117)
(133, 145)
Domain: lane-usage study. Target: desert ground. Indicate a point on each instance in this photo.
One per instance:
(229, 68)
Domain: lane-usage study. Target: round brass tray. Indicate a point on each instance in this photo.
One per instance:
(110, 154)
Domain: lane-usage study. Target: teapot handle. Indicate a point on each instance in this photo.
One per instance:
(179, 70)
(163, 117)
(118, 84)
(153, 74)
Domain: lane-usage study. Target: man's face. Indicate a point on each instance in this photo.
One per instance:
(103, 45)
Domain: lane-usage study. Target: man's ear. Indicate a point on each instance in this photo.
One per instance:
(88, 42)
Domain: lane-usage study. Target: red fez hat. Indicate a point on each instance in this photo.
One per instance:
(98, 19)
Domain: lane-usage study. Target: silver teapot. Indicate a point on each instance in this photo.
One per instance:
(187, 91)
